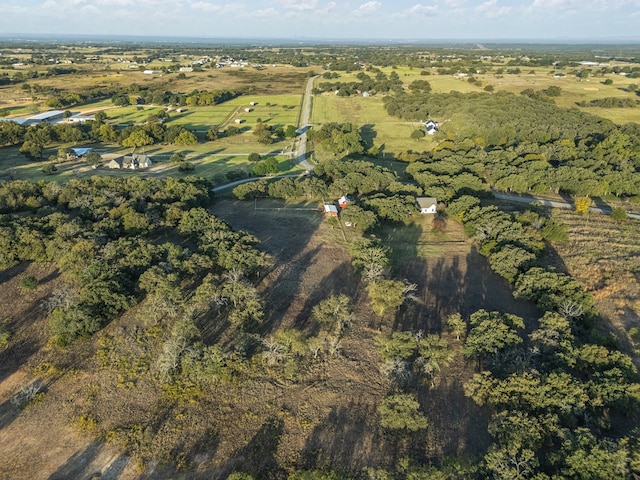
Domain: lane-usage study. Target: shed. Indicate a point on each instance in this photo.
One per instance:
(81, 152)
(52, 116)
(331, 210)
(427, 204)
(344, 201)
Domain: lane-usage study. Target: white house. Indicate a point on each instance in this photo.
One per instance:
(432, 127)
(427, 204)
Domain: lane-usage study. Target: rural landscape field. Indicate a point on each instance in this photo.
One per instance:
(319, 262)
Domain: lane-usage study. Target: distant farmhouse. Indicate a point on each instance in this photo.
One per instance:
(432, 127)
(133, 162)
(427, 205)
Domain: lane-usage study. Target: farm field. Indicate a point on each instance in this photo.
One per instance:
(276, 110)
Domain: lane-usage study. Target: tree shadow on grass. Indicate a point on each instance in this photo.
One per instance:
(8, 413)
(485, 289)
(368, 134)
(16, 355)
(348, 438)
(258, 457)
(81, 465)
(285, 236)
(457, 426)
(342, 280)
(9, 273)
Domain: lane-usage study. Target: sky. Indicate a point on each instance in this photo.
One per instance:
(547, 20)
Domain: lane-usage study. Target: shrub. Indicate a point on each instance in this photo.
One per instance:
(28, 395)
(28, 282)
(619, 214)
(49, 169)
(186, 167)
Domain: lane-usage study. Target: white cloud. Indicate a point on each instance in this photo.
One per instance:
(264, 13)
(368, 8)
(206, 6)
(427, 10)
(556, 4)
(490, 8)
(300, 5)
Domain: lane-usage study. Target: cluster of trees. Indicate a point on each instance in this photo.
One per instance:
(552, 397)
(101, 232)
(514, 248)
(610, 102)
(381, 83)
(521, 144)
(137, 94)
(377, 192)
(337, 140)
(36, 137)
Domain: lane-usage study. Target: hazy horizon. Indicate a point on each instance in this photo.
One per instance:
(400, 20)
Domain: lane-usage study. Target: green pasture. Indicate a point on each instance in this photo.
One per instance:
(132, 114)
(282, 110)
(411, 241)
(379, 127)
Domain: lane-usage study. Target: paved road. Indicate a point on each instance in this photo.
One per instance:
(553, 203)
(304, 121)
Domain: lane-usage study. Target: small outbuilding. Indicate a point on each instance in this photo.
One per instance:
(344, 201)
(427, 205)
(331, 210)
(80, 152)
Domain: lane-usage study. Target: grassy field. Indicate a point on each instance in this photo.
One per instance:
(574, 90)
(379, 127)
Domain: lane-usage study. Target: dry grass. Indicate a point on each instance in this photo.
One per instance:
(605, 256)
